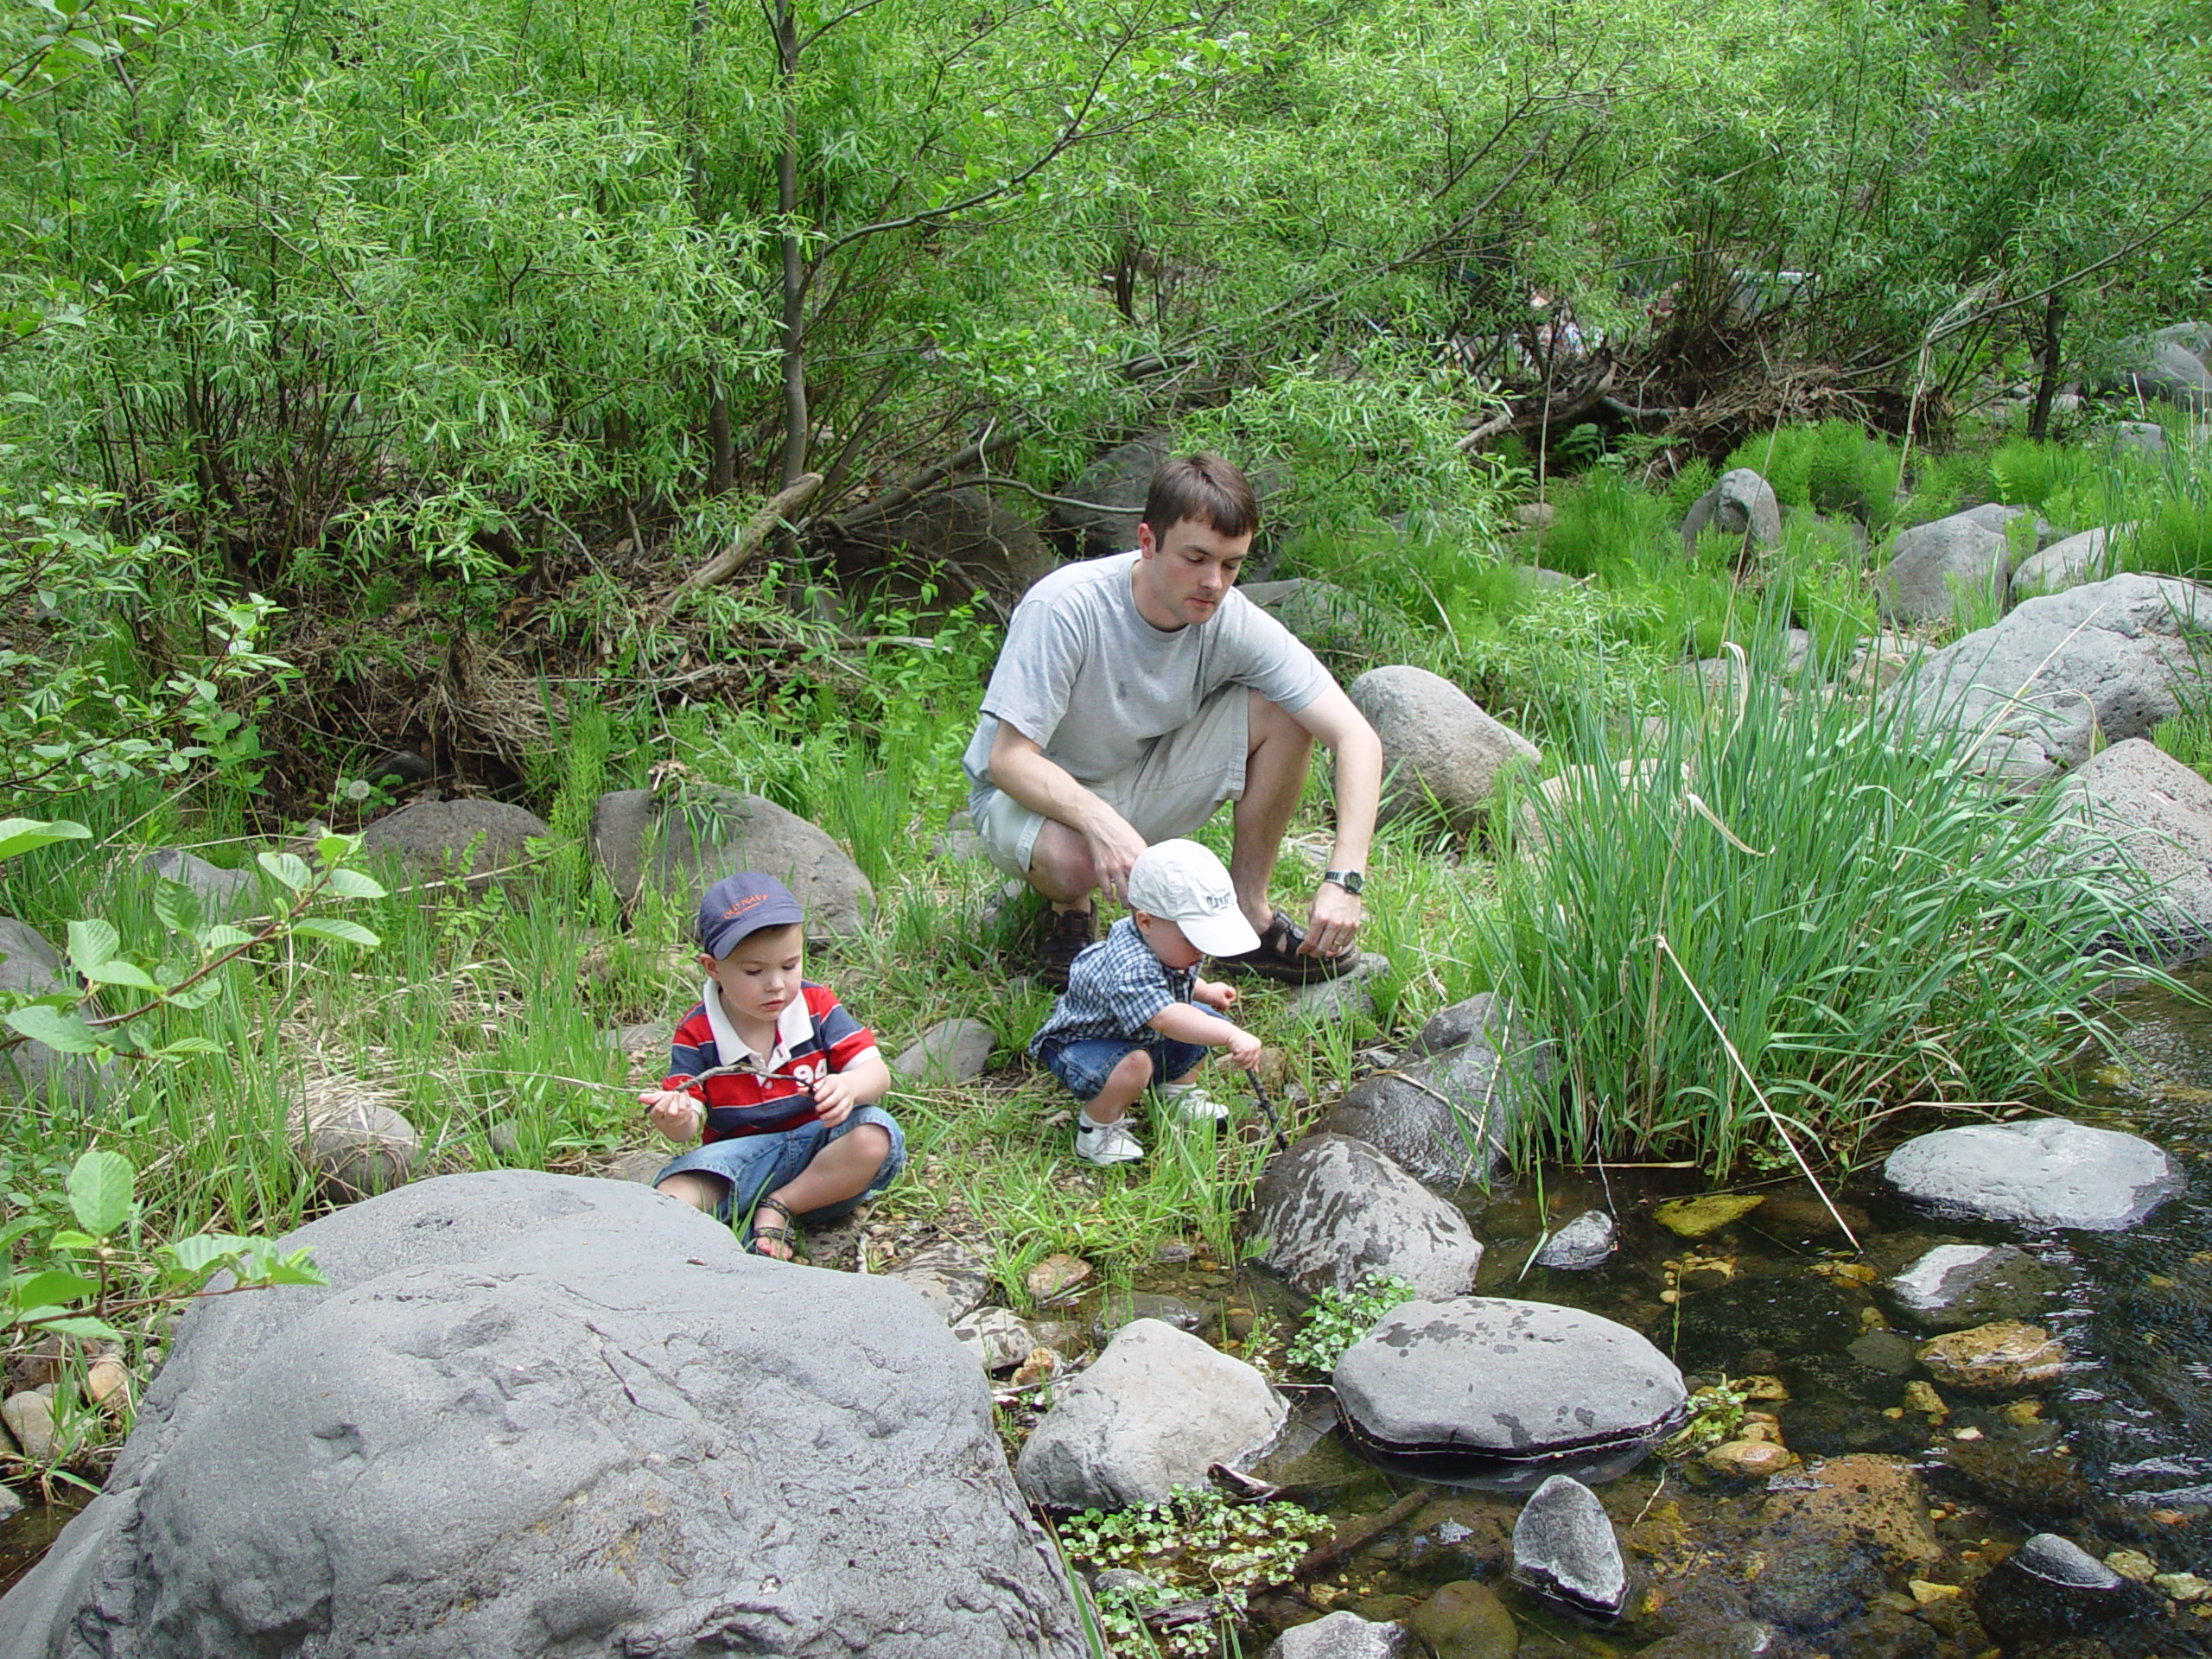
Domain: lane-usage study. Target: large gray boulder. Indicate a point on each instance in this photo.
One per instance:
(223, 892)
(483, 842)
(2045, 1172)
(2069, 564)
(1930, 563)
(2135, 805)
(1487, 1376)
(536, 1415)
(710, 833)
(950, 1052)
(2167, 365)
(1440, 752)
(1152, 1412)
(1741, 501)
(1334, 1210)
(2032, 693)
(1451, 1118)
(32, 967)
(1113, 489)
(1956, 1287)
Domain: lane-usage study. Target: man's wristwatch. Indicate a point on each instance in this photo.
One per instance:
(1350, 880)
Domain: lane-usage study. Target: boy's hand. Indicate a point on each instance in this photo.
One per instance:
(675, 1113)
(1215, 994)
(1243, 1048)
(834, 1098)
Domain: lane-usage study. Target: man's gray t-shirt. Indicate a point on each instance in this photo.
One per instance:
(1093, 684)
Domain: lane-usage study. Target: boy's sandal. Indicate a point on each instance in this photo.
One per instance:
(774, 1233)
(1277, 957)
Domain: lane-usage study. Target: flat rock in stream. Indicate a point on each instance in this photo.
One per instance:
(1956, 1285)
(538, 1415)
(1334, 1210)
(1486, 1376)
(2045, 1172)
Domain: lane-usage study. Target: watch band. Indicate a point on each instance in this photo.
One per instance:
(1350, 880)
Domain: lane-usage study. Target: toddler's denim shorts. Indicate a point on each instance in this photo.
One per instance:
(1085, 1064)
(756, 1165)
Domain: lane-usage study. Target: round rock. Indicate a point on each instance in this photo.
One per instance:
(2049, 1587)
(479, 840)
(357, 1147)
(1563, 1546)
(1334, 1210)
(1342, 1635)
(710, 832)
(2045, 1171)
(1956, 1285)
(951, 1051)
(1490, 1377)
(1440, 750)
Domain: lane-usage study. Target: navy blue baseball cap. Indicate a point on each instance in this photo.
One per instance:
(739, 906)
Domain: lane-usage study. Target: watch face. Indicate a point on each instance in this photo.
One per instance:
(1350, 881)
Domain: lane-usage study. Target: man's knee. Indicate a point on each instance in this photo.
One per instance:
(1059, 863)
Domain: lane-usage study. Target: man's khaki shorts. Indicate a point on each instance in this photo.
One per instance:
(1185, 775)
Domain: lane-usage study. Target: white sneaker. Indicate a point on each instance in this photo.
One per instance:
(1106, 1143)
(1191, 1103)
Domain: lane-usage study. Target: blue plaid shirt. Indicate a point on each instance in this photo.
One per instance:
(1114, 988)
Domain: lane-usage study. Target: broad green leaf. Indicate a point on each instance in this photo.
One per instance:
(355, 884)
(178, 907)
(73, 1324)
(116, 971)
(297, 1268)
(333, 927)
(69, 1239)
(288, 867)
(62, 1029)
(196, 1254)
(50, 1288)
(336, 849)
(223, 937)
(99, 1190)
(92, 944)
(23, 835)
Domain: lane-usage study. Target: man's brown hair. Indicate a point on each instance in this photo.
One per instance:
(1203, 487)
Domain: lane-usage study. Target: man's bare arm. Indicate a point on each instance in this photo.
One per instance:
(1020, 767)
(1333, 720)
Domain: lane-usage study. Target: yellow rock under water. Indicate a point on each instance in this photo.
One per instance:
(1994, 1358)
(1708, 1213)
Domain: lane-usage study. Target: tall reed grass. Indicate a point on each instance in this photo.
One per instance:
(1869, 925)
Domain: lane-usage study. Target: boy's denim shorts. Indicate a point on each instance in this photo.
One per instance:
(1085, 1064)
(756, 1165)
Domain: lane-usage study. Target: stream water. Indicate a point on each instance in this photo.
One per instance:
(2116, 1455)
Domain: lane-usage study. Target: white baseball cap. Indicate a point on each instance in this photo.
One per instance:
(1186, 884)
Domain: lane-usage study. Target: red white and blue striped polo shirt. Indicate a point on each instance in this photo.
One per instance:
(814, 1037)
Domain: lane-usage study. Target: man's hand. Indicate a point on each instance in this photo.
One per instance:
(835, 1096)
(1114, 846)
(1333, 928)
(1216, 995)
(675, 1113)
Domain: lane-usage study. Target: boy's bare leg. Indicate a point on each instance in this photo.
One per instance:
(844, 1169)
(700, 1192)
(1276, 764)
(1130, 1077)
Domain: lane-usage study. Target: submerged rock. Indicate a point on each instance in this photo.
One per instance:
(2045, 1171)
(1585, 1242)
(1489, 1377)
(1465, 1620)
(1334, 1210)
(1341, 1634)
(1995, 1358)
(1152, 1413)
(534, 1413)
(1707, 1214)
(2049, 1587)
(1956, 1285)
(1847, 1501)
(1563, 1546)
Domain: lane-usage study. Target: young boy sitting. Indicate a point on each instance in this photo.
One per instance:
(1127, 1018)
(774, 1079)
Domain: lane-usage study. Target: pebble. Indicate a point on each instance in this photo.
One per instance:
(1994, 1358)
(1921, 1396)
(10, 1505)
(1923, 1591)
(1041, 1366)
(1055, 1276)
(1749, 1459)
(30, 1417)
(104, 1378)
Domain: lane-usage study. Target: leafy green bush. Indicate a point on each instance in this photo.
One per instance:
(1814, 888)
(1340, 1318)
(1605, 526)
(1834, 467)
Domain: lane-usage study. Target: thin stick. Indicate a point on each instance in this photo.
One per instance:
(1757, 1093)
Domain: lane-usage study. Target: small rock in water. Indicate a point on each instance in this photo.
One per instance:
(1956, 1285)
(1055, 1277)
(1121, 1306)
(2049, 1586)
(1699, 1217)
(30, 1417)
(1922, 1397)
(1465, 1620)
(1582, 1244)
(1563, 1546)
(1885, 1351)
(2132, 1565)
(2183, 1586)
(10, 1505)
(1748, 1459)
(1994, 1358)
(1342, 1635)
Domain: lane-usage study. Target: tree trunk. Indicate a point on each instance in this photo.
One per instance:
(2054, 316)
(794, 321)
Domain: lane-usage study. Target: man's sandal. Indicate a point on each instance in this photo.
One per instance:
(770, 1237)
(1277, 958)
